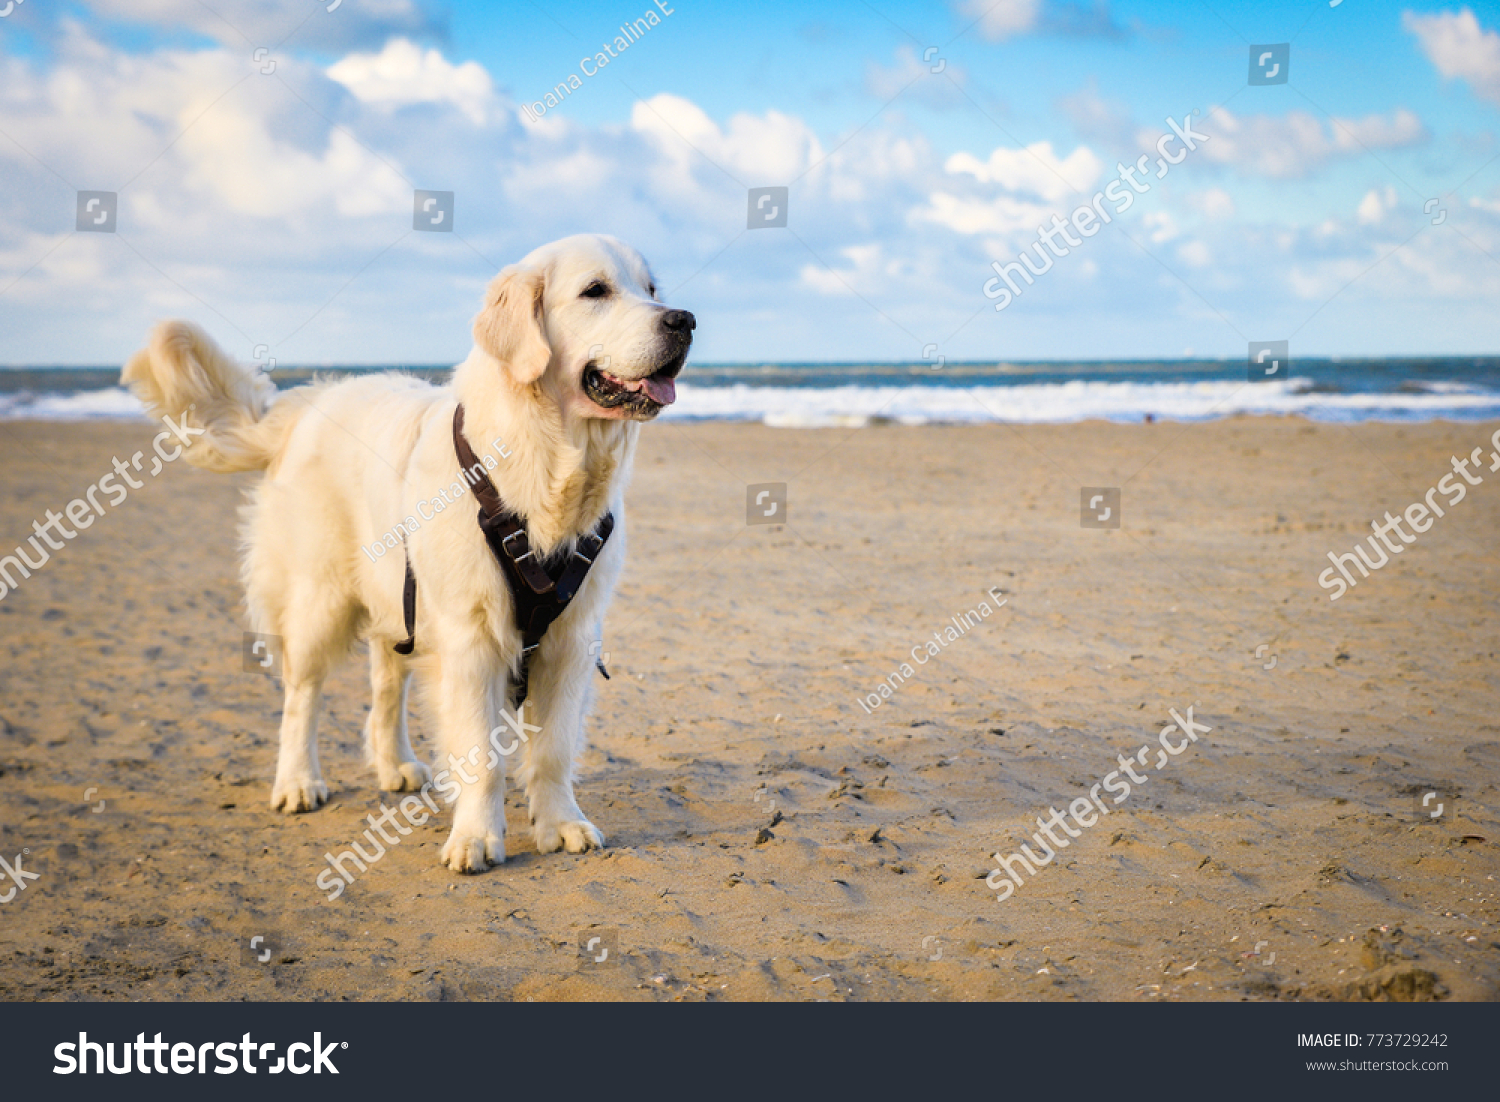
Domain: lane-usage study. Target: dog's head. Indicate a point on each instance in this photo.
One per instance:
(581, 319)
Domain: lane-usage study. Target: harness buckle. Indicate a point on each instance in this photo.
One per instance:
(525, 545)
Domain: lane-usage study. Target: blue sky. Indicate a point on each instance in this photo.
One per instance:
(275, 206)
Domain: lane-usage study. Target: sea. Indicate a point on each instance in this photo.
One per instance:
(812, 395)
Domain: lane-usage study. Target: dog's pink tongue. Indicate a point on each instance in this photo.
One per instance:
(660, 390)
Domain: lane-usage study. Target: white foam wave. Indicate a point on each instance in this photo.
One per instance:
(852, 406)
(1072, 401)
(111, 404)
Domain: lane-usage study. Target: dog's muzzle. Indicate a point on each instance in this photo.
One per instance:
(645, 396)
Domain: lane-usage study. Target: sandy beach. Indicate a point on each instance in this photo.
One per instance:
(770, 837)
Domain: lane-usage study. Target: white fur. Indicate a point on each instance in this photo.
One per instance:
(346, 462)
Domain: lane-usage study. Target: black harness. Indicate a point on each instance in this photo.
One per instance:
(540, 590)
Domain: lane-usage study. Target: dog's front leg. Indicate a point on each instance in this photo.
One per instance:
(464, 708)
(561, 691)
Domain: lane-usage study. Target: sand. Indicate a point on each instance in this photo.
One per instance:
(1283, 855)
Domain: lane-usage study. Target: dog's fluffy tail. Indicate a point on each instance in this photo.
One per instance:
(184, 375)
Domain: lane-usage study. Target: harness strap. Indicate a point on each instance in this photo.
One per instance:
(540, 591)
(408, 609)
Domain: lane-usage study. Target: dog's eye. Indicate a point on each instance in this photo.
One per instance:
(594, 290)
(651, 290)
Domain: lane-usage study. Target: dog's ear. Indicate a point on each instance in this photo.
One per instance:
(509, 327)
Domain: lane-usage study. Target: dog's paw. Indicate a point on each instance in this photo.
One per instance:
(469, 851)
(298, 794)
(574, 836)
(406, 776)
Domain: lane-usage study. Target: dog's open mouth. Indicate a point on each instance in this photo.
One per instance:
(644, 397)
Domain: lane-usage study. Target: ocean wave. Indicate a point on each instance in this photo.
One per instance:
(1072, 401)
(107, 404)
(856, 405)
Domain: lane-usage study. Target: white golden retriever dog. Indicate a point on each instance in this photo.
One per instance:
(572, 350)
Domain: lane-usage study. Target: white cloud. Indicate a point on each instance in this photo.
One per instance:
(244, 26)
(1160, 224)
(1375, 206)
(1036, 170)
(1001, 215)
(298, 229)
(1031, 182)
(1458, 47)
(1195, 254)
(254, 174)
(198, 140)
(1379, 132)
(911, 77)
(864, 262)
(1002, 19)
(1215, 203)
(764, 149)
(997, 20)
(403, 74)
(1096, 118)
(1295, 144)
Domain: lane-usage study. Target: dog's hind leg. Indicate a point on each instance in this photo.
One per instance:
(314, 631)
(387, 744)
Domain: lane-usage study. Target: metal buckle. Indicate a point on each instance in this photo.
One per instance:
(519, 533)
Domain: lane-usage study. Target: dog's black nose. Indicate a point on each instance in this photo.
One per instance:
(679, 321)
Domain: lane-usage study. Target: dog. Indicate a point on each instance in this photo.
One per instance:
(573, 350)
